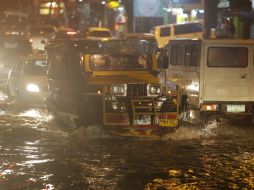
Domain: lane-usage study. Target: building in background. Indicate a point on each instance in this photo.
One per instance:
(148, 14)
(219, 13)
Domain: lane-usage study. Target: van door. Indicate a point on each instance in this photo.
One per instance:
(227, 73)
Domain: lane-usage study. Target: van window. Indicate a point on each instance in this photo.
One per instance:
(185, 54)
(165, 31)
(187, 28)
(192, 55)
(176, 54)
(227, 57)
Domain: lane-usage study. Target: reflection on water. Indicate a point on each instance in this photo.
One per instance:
(3, 96)
(38, 114)
(36, 154)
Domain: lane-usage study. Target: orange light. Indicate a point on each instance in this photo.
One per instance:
(209, 107)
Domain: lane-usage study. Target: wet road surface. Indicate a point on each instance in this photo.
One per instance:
(36, 152)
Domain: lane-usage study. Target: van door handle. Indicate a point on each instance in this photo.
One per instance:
(244, 76)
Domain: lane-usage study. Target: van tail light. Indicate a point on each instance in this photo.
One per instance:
(209, 107)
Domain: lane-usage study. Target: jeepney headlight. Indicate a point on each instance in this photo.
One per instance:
(121, 107)
(114, 105)
(32, 88)
(97, 61)
(119, 90)
(153, 90)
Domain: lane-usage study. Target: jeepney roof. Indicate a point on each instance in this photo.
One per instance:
(113, 46)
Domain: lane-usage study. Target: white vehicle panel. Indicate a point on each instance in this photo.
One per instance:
(227, 83)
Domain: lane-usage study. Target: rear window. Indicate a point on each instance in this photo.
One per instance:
(227, 57)
(188, 28)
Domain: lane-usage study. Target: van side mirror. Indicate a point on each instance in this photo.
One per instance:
(163, 62)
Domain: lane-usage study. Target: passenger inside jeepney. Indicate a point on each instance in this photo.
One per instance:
(119, 62)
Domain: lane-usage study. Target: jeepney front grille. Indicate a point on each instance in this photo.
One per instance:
(136, 90)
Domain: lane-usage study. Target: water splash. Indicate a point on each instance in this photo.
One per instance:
(38, 114)
(3, 96)
(91, 132)
(194, 131)
(210, 128)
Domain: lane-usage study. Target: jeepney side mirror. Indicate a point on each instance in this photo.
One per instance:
(163, 61)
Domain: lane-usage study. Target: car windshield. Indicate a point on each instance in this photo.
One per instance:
(35, 67)
(123, 62)
(102, 34)
(41, 30)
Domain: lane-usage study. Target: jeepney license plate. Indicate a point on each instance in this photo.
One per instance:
(235, 108)
(145, 120)
(168, 122)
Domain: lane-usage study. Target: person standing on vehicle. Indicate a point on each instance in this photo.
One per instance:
(225, 28)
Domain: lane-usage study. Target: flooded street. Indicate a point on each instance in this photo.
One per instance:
(36, 152)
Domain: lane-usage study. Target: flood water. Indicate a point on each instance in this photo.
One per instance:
(38, 153)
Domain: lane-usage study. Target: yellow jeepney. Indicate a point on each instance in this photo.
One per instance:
(134, 103)
(122, 76)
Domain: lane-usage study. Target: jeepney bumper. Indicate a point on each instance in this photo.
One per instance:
(140, 116)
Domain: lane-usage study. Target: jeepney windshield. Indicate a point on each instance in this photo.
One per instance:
(120, 62)
(121, 55)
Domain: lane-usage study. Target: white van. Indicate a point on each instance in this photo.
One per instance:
(190, 30)
(213, 77)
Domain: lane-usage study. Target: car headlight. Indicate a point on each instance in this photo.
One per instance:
(119, 90)
(153, 90)
(32, 88)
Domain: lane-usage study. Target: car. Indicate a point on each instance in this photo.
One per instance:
(39, 34)
(12, 48)
(98, 33)
(27, 81)
(63, 33)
